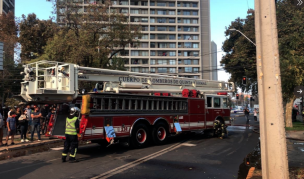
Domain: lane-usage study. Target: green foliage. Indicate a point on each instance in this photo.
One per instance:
(34, 34)
(11, 102)
(240, 57)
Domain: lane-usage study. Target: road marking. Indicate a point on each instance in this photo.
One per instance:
(58, 148)
(224, 151)
(137, 162)
(242, 138)
(28, 166)
(189, 145)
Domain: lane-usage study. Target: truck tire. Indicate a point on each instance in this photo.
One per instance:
(160, 133)
(140, 136)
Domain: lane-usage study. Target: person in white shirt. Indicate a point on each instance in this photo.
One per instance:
(255, 114)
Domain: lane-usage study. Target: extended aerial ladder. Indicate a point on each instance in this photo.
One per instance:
(50, 81)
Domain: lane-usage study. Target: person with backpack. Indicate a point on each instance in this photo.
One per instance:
(246, 112)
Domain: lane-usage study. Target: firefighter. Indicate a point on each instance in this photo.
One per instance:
(71, 130)
(219, 129)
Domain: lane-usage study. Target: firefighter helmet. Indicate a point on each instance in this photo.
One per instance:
(74, 111)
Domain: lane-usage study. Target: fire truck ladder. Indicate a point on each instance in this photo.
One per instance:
(50, 81)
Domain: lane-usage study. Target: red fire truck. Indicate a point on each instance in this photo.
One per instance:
(138, 107)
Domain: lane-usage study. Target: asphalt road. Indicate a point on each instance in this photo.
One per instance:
(185, 156)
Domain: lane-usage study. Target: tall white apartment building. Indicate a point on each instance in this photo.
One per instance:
(6, 6)
(176, 36)
(214, 68)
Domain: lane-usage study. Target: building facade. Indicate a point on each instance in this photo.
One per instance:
(6, 6)
(175, 40)
(214, 61)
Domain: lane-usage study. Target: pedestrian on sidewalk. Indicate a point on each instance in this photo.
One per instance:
(246, 112)
(11, 127)
(18, 114)
(1, 128)
(23, 126)
(255, 114)
(36, 115)
(29, 118)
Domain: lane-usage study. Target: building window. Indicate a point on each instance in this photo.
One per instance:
(195, 62)
(188, 45)
(195, 70)
(195, 13)
(172, 45)
(172, 53)
(134, 53)
(152, 28)
(161, 3)
(171, 20)
(194, 4)
(161, 12)
(171, 12)
(186, 4)
(172, 28)
(144, 11)
(171, 4)
(195, 45)
(152, 53)
(179, 61)
(125, 11)
(161, 37)
(152, 36)
(144, 53)
(152, 45)
(186, 12)
(152, 70)
(195, 37)
(172, 70)
(194, 21)
(152, 3)
(152, 62)
(172, 37)
(144, 3)
(187, 62)
(162, 70)
(144, 19)
(135, 69)
(186, 29)
(152, 11)
(195, 29)
(152, 20)
(134, 11)
(162, 62)
(144, 28)
(162, 45)
(160, 28)
(186, 21)
(144, 45)
(172, 62)
(188, 69)
(195, 54)
(145, 70)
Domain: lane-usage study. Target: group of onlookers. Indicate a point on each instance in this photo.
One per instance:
(22, 119)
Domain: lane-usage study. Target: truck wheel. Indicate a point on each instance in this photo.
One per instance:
(160, 133)
(140, 136)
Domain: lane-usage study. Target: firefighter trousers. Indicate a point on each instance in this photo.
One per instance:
(70, 141)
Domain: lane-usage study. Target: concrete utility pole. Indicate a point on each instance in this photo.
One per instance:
(272, 132)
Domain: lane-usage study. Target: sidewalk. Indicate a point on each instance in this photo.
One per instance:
(20, 149)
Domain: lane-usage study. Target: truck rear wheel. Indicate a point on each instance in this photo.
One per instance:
(160, 133)
(140, 136)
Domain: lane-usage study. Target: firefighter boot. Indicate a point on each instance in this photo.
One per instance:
(63, 158)
(73, 160)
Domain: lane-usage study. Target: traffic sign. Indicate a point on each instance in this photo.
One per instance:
(298, 3)
(299, 91)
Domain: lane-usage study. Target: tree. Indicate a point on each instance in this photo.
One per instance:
(291, 49)
(34, 34)
(92, 38)
(240, 57)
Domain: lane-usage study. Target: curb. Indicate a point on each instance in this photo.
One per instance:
(290, 138)
(8, 153)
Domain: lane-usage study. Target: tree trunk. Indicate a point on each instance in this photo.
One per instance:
(288, 113)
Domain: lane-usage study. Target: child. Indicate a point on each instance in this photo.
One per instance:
(11, 127)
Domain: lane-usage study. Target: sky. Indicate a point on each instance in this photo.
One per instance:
(222, 13)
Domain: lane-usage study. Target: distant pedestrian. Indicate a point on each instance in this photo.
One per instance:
(29, 118)
(255, 114)
(1, 128)
(23, 122)
(36, 115)
(246, 112)
(11, 127)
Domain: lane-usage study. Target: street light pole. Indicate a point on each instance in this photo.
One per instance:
(233, 29)
(272, 132)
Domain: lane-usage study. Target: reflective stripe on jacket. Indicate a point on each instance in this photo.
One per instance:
(70, 127)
